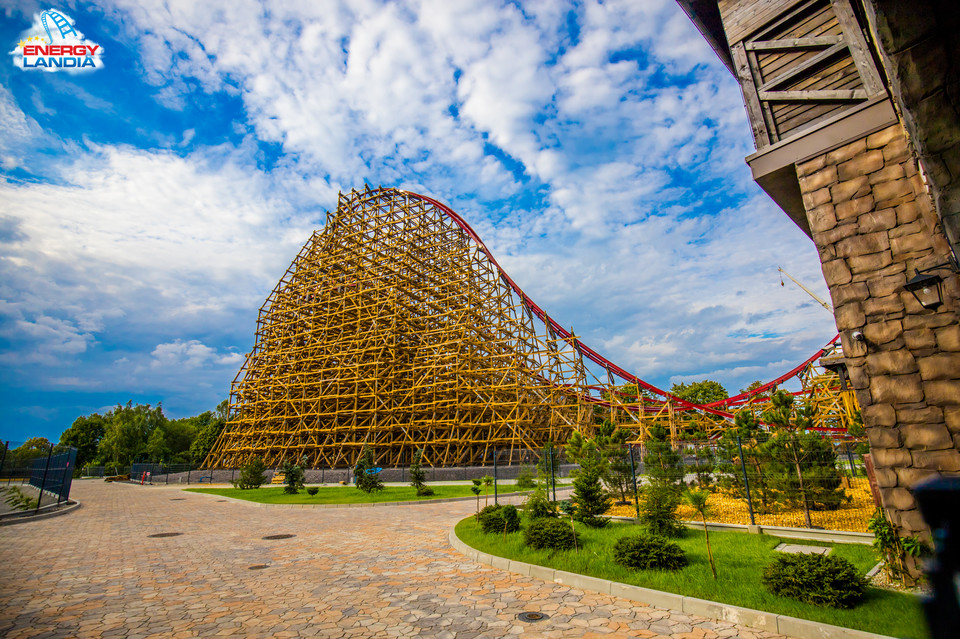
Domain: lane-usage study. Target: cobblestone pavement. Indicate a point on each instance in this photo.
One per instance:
(350, 572)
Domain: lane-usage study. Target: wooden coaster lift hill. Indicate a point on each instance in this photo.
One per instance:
(395, 328)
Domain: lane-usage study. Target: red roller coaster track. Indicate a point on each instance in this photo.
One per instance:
(715, 408)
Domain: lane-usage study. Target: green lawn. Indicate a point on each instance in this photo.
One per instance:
(350, 494)
(740, 559)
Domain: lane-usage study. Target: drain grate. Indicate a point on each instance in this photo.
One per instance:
(177, 498)
(166, 534)
(221, 500)
(284, 536)
(530, 617)
(257, 567)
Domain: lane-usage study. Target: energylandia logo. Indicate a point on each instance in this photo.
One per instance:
(53, 43)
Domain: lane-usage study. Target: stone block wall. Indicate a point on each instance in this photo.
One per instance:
(873, 223)
(920, 53)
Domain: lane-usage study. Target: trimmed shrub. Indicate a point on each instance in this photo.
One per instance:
(251, 474)
(550, 533)
(816, 579)
(493, 519)
(645, 551)
(312, 490)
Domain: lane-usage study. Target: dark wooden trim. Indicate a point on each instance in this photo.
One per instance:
(790, 44)
(842, 95)
(858, 47)
(750, 98)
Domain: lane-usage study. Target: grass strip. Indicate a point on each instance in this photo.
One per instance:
(740, 559)
(350, 494)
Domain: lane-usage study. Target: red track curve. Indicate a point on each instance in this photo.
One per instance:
(592, 355)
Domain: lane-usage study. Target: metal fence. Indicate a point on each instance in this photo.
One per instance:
(499, 467)
(53, 474)
(792, 482)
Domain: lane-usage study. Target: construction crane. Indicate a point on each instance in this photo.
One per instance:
(806, 290)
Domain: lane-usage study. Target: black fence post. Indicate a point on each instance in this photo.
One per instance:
(853, 470)
(63, 478)
(494, 476)
(746, 482)
(6, 447)
(553, 471)
(44, 480)
(633, 471)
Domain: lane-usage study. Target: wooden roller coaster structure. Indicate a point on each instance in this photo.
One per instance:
(395, 328)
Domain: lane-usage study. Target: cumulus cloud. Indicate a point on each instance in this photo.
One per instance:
(189, 354)
(597, 147)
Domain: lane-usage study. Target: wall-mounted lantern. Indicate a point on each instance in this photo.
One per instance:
(927, 287)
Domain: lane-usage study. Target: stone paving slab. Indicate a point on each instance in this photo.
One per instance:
(377, 572)
(803, 550)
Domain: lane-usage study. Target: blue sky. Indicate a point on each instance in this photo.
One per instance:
(148, 208)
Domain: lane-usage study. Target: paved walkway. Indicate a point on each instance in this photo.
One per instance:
(356, 572)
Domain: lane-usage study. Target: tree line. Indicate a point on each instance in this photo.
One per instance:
(131, 433)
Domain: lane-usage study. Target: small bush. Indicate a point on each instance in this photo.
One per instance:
(549, 533)
(816, 579)
(525, 480)
(658, 510)
(493, 519)
(537, 506)
(312, 490)
(645, 551)
(251, 474)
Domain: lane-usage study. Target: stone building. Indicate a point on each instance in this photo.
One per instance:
(855, 109)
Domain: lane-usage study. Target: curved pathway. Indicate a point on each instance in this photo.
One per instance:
(349, 572)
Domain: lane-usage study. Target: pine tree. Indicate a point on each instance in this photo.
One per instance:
(664, 469)
(418, 476)
(368, 477)
(589, 497)
(803, 464)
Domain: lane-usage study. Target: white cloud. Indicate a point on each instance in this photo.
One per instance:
(180, 354)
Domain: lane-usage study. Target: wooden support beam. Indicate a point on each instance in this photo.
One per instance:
(813, 96)
(793, 44)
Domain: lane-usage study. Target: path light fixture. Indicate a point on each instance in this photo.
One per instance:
(928, 287)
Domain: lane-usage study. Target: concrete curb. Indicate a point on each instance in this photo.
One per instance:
(444, 500)
(772, 622)
(55, 511)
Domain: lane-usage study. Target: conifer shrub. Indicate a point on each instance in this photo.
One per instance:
(312, 491)
(646, 550)
(815, 579)
(366, 473)
(537, 506)
(549, 533)
(525, 480)
(418, 476)
(293, 476)
(498, 519)
(251, 474)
